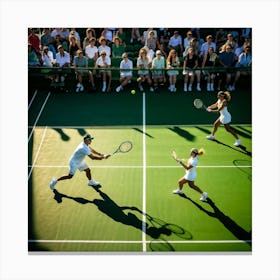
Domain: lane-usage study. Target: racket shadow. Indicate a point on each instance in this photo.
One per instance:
(158, 229)
(228, 223)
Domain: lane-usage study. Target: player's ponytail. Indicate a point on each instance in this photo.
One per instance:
(199, 152)
(227, 95)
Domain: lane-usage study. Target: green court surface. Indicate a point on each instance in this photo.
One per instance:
(135, 209)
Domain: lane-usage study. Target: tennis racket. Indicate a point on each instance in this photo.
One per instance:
(174, 155)
(124, 147)
(198, 104)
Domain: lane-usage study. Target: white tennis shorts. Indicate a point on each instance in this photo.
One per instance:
(74, 166)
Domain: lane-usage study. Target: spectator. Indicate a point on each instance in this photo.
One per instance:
(143, 64)
(81, 61)
(74, 45)
(126, 67)
(244, 61)
(117, 48)
(208, 63)
(192, 44)
(227, 60)
(205, 46)
(239, 50)
(57, 42)
(164, 37)
(220, 38)
(146, 34)
(122, 35)
(135, 35)
(172, 63)
(33, 59)
(188, 39)
(89, 35)
(153, 44)
(230, 41)
(107, 34)
(104, 62)
(75, 33)
(91, 52)
(34, 40)
(175, 43)
(158, 75)
(47, 40)
(189, 70)
(62, 61)
(64, 33)
(56, 32)
(47, 57)
(103, 47)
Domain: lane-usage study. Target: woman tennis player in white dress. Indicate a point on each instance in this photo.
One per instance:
(225, 117)
(190, 175)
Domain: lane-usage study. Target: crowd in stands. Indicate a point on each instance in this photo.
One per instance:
(154, 56)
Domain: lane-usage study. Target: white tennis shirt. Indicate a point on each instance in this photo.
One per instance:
(80, 153)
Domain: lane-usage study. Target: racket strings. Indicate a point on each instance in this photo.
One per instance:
(125, 147)
(198, 103)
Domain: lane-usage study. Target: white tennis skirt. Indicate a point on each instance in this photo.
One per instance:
(224, 119)
(190, 176)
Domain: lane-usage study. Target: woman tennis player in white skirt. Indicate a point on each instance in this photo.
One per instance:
(190, 175)
(225, 117)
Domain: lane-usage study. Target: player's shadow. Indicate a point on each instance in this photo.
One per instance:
(242, 165)
(63, 135)
(241, 149)
(228, 223)
(118, 214)
(183, 133)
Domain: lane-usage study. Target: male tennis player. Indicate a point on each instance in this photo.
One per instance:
(76, 161)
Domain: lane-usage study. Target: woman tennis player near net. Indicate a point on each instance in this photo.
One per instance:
(225, 117)
(77, 162)
(190, 176)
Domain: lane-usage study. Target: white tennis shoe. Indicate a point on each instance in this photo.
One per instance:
(178, 191)
(210, 137)
(237, 142)
(93, 183)
(204, 197)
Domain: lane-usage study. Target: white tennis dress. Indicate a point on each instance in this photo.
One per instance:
(225, 116)
(76, 161)
(191, 173)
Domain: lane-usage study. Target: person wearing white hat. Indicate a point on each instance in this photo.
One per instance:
(76, 161)
(158, 75)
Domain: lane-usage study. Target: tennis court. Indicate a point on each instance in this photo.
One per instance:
(135, 209)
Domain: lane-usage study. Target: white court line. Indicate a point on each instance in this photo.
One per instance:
(146, 166)
(137, 125)
(39, 116)
(36, 91)
(38, 152)
(141, 241)
(144, 175)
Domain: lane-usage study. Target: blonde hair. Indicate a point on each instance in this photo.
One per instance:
(225, 94)
(199, 152)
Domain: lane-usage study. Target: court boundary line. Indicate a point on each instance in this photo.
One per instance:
(144, 248)
(33, 97)
(136, 125)
(39, 115)
(140, 241)
(147, 166)
(38, 151)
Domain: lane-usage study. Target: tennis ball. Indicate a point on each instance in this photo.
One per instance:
(133, 91)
